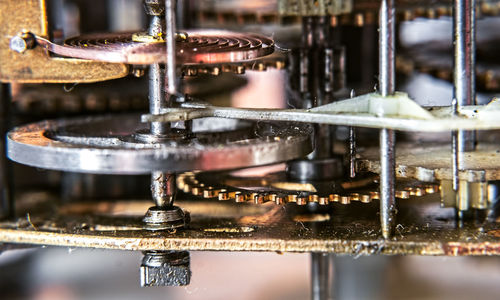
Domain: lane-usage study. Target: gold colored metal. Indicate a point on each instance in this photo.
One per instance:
(469, 195)
(222, 226)
(290, 192)
(35, 65)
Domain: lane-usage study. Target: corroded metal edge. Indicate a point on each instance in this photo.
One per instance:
(110, 241)
(383, 247)
(423, 228)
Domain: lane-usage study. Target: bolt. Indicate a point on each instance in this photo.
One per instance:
(165, 268)
(22, 42)
(165, 218)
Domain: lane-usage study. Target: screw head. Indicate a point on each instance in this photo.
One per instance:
(165, 218)
(22, 42)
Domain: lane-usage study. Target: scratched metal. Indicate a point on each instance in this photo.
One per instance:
(423, 228)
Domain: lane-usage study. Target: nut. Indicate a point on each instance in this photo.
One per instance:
(171, 268)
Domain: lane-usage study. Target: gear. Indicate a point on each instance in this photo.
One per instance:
(196, 48)
(201, 52)
(358, 12)
(275, 188)
(432, 162)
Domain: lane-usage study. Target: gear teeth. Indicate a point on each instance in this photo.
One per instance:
(223, 195)
(363, 13)
(345, 200)
(301, 200)
(402, 194)
(365, 199)
(188, 183)
(354, 197)
(334, 198)
(323, 200)
(261, 65)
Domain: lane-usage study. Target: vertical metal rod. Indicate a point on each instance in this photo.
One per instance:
(157, 97)
(387, 137)
(163, 188)
(321, 276)
(162, 90)
(352, 147)
(464, 78)
(387, 73)
(171, 74)
(7, 208)
(352, 152)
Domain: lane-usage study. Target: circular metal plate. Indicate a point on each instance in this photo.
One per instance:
(106, 145)
(200, 47)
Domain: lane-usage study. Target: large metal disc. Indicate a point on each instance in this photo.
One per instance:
(107, 145)
(200, 47)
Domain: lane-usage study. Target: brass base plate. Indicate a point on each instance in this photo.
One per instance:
(423, 228)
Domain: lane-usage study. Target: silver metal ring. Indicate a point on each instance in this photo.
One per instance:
(106, 145)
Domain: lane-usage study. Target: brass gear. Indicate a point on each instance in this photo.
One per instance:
(269, 188)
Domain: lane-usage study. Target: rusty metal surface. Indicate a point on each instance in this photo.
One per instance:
(36, 66)
(423, 228)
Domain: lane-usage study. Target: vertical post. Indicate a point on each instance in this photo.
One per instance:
(6, 200)
(162, 91)
(464, 78)
(321, 276)
(171, 74)
(387, 137)
(352, 147)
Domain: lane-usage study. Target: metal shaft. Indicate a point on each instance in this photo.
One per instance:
(464, 85)
(464, 79)
(163, 188)
(352, 152)
(171, 74)
(387, 137)
(352, 147)
(7, 208)
(162, 85)
(321, 276)
(157, 97)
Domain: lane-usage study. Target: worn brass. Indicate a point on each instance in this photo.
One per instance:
(36, 65)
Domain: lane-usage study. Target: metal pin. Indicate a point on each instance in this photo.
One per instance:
(163, 188)
(163, 184)
(387, 137)
(352, 147)
(321, 276)
(171, 74)
(464, 85)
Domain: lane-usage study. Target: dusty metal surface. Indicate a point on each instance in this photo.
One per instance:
(430, 162)
(422, 228)
(36, 66)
